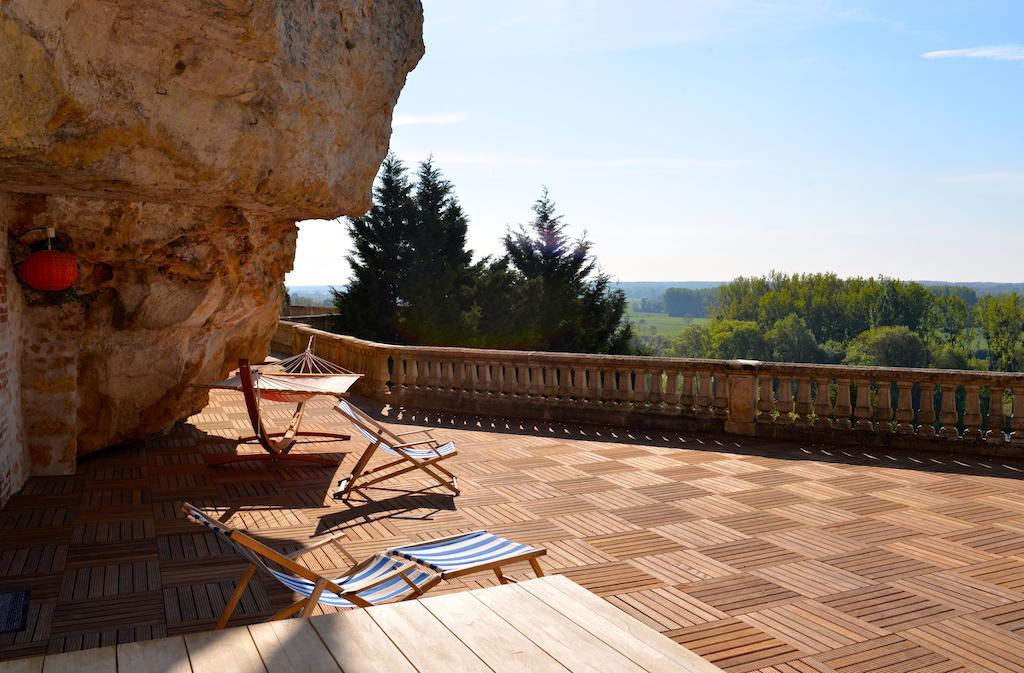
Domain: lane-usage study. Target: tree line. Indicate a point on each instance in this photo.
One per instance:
(414, 281)
(821, 318)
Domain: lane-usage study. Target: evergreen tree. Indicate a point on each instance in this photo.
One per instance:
(369, 306)
(437, 290)
(570, 306)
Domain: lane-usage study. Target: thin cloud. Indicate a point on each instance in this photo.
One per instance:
(993, 178)
(430, 119)
(469, 159)
(1006, 52)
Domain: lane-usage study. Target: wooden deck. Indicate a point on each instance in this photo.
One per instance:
(548, 625)
(761, 557)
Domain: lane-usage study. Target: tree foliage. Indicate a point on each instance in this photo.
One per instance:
(414, 280)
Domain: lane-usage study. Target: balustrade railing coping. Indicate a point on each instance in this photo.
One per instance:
(712, 366)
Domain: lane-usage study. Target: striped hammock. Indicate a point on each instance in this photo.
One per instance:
(296, 379)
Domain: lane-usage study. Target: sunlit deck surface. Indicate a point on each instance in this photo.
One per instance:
(758, 556)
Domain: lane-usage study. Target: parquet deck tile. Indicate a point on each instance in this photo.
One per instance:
(682, 566)
(765, 556)
(888, 654)
(812, 542)
(992, 539)
(952, 588)
(649, 516)
(812, 578)
(757, 523)
(889, 607)
(735, 645)
(750, 553)
(939, 552)
(739, 594)
(666, 608)
(811, 626)
(879, 564)
(975, 642)
(1009, 617)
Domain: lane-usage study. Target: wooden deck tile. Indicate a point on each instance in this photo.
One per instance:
(790, 559)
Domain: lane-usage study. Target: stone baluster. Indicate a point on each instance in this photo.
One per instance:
(703, 402)
(926, 414)
(671, 395)
(382, 371)
(594, 387)
(522, 379)
(803, 406)
(536, 382)
(609, 386)
(972, 411)
(862, 411)
(784, 401)
(883, 407)
(564, 381)
(548, 385)
(1017, 419)
(472, 377)
(721, 398)
(765, 403)
(947, 412)
(421, 372)
(624, 390)
(822, 403)
(843, 406)
(658, 387)
(996, 415)
(399, 375)
(688, 399)
(905, 407)
(643, 388)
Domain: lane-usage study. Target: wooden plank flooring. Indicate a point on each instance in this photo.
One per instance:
(546, 625)
(759, 556)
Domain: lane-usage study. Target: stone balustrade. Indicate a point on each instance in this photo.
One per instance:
(971, 411)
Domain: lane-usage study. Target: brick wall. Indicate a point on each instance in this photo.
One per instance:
(13, 452)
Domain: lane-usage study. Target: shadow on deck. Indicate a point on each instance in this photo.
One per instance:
(757, 555)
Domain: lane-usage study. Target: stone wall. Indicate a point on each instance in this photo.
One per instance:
(13, 457)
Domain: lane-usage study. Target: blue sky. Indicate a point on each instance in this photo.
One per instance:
(705, 139)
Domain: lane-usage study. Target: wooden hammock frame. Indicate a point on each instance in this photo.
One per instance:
(277, 445)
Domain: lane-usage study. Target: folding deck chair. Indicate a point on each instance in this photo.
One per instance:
(381, 578)
(468, 553)
(420, 455)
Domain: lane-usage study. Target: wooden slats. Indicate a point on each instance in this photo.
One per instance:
(790, 554)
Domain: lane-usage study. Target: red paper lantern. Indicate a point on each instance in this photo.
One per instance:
(49, 271)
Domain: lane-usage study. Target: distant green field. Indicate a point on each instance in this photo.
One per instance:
(650, 324)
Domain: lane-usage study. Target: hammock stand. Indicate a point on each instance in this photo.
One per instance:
(296, 379)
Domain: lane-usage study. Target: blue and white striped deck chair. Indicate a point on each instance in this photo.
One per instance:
(467, 553)
(378, 579)
(423, 455)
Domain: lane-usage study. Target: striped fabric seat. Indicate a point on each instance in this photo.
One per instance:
(377, 567)
(425, 454)
(464, 553)
(415, 452)
(380, 566)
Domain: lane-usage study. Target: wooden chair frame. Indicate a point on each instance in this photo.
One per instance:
(397, 442)
(289, 563)
(276, 444)
(496, 566)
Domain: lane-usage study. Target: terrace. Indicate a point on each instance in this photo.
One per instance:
(766, 549)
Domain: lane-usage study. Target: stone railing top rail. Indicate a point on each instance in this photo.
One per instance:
(850, 372)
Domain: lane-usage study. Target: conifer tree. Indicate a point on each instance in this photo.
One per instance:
(570, 305)
(369, 306)
(437, 291)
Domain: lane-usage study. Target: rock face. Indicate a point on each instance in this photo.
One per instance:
(172, 146)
